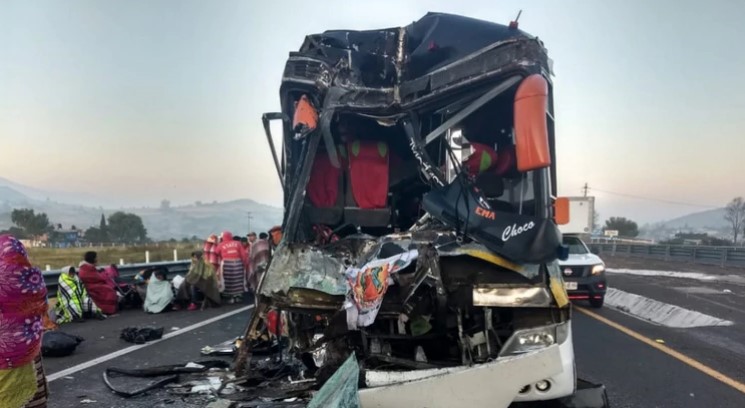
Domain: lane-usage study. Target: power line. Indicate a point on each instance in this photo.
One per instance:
(653, 199)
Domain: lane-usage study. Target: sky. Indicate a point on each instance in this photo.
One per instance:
(141, 101)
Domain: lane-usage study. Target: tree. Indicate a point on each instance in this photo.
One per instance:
(625, 227)
(32, 224)
(125, 227)
(734, 213)
(95, 235)
(19, 233)
(101, 233)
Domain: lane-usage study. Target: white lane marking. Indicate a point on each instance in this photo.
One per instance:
(697, 276)
(119, 353)
(659, 312)
(667, 274)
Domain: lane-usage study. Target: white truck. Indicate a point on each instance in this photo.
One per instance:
(583, 271)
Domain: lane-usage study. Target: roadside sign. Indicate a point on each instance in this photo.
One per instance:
(611, 233)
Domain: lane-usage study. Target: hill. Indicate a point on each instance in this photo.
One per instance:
(711, 222)
(710, 219)
(174, 222)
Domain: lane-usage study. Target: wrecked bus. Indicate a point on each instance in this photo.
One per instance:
(420, 230)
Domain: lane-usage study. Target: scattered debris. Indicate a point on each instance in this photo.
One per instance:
(174, 328)
(727, 291)
(88, 401)
(59, 344)
(660, 341)
(171, 371)
(142, 335)
(226, 348)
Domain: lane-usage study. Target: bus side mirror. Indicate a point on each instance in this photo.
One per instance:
(531, 124)
(561, 211)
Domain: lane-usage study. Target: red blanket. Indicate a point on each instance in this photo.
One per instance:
(99, 288)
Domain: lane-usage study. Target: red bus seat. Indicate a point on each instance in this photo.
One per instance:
(367, 184)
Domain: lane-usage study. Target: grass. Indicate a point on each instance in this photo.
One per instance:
(58, 258)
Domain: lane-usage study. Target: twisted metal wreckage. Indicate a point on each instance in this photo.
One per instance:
(402, 271)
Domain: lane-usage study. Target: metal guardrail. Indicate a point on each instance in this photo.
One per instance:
(51, 278)
(704, 255)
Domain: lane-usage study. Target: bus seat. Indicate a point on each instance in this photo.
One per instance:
(366, 203)
(325, 202)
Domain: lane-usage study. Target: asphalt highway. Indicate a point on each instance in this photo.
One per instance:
(640, 363)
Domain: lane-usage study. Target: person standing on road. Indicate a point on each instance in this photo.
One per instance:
(210, 251)
(23, 295)
(233, 261)
(98, 286)
(260, 253)
(275, 237)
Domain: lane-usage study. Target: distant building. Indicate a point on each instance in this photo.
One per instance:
(65, 238)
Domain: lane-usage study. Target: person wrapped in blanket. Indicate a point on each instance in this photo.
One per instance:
(99, 287)
(233, 264)
(23, 296)
(159, 295)
(200, 283)
(258, 260)
(73, 302)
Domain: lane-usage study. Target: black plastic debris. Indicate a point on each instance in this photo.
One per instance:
(171, 371)
(59, 344)
(142, 335)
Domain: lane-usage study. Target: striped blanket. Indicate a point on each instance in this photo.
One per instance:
(234, 276)
(73, 302)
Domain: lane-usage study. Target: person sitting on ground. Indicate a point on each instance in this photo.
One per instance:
(111, 272)
(100, 289)
(200, 280)
(159, 293)
(73, 302)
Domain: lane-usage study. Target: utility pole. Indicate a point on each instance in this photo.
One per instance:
(249, 221)
(585, 188)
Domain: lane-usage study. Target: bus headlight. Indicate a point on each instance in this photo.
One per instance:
(527, 340)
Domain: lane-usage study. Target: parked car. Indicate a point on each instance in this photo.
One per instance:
(583, 273)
